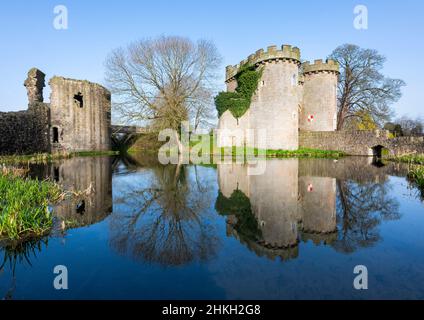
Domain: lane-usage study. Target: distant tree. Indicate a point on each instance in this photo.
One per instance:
(163, 81)
(411, 127)
(395, 129)
(363, 89)
(362, 121)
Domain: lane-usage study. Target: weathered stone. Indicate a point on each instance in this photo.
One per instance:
(35, 84)
(361, 143)
(289, 98)
(78, 118)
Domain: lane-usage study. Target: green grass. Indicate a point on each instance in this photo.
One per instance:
(24, 206)
(411, 159)
(244, 151)
(416, 175)
(47, 157)
(415, 171)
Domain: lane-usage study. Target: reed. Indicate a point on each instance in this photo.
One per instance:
(25, 204)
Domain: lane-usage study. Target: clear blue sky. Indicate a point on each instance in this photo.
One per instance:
(238, 28)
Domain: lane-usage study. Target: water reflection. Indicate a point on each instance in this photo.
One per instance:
(161, 214)
(221, 232)
(338, 203)
(92, 178)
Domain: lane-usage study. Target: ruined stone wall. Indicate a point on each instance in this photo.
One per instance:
(93, 176)
(80, 115)
(25, 132)
(319, 107)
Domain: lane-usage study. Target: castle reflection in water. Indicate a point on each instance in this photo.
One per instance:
(91, 180)
(333, 202)
(301, 199)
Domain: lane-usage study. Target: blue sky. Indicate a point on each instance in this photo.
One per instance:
(238, 28)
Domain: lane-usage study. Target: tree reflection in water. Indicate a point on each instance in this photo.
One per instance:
(361, 207)
(339, 203)
(165, 220)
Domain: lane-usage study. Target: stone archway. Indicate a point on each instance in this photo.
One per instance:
(378, 151)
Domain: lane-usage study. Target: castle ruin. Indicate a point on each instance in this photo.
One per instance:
(78, 118)
(291, 97)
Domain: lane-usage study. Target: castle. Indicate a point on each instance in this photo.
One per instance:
(78, 118)
(291, 97)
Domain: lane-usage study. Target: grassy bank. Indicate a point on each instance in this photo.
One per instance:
(415, 171)
(411, 159)
(24, 205)
(416, 174)
(47, 157)
(210, 146)
(300, 153)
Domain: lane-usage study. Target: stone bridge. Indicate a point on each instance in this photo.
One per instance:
(125, 136)
(362, 143)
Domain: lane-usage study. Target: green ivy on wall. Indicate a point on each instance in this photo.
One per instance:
(239, 205)
(238, 102)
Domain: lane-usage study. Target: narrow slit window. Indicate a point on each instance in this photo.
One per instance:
(55, 135)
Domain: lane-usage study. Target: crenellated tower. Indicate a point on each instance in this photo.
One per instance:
(276, 101)
(319, 107)
(290, 97)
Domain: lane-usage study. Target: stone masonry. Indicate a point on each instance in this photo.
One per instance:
(291, 96)
(78, 118)
(362, 143)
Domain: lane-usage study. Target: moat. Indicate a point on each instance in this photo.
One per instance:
(147, 231)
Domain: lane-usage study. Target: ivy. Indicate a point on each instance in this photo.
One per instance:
(239, 205)
(238, 102)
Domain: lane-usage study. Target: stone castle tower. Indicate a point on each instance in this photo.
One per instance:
(80, 115)
(78, 118)
(291, 96)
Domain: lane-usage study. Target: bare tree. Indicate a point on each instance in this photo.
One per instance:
(164, 81)
(363, 89)
(411, 127)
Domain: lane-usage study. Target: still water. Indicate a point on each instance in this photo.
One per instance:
(147, 231)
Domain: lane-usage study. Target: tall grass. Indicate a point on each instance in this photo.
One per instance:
(47, 157)
(24, 205)
(416, 174)
(411, 159)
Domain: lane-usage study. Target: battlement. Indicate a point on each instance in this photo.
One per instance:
(320, 66)
(286, 52)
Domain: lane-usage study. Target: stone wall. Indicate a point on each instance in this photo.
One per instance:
(80, 116)
(25, 132)
(361, 143)
(77, 119)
